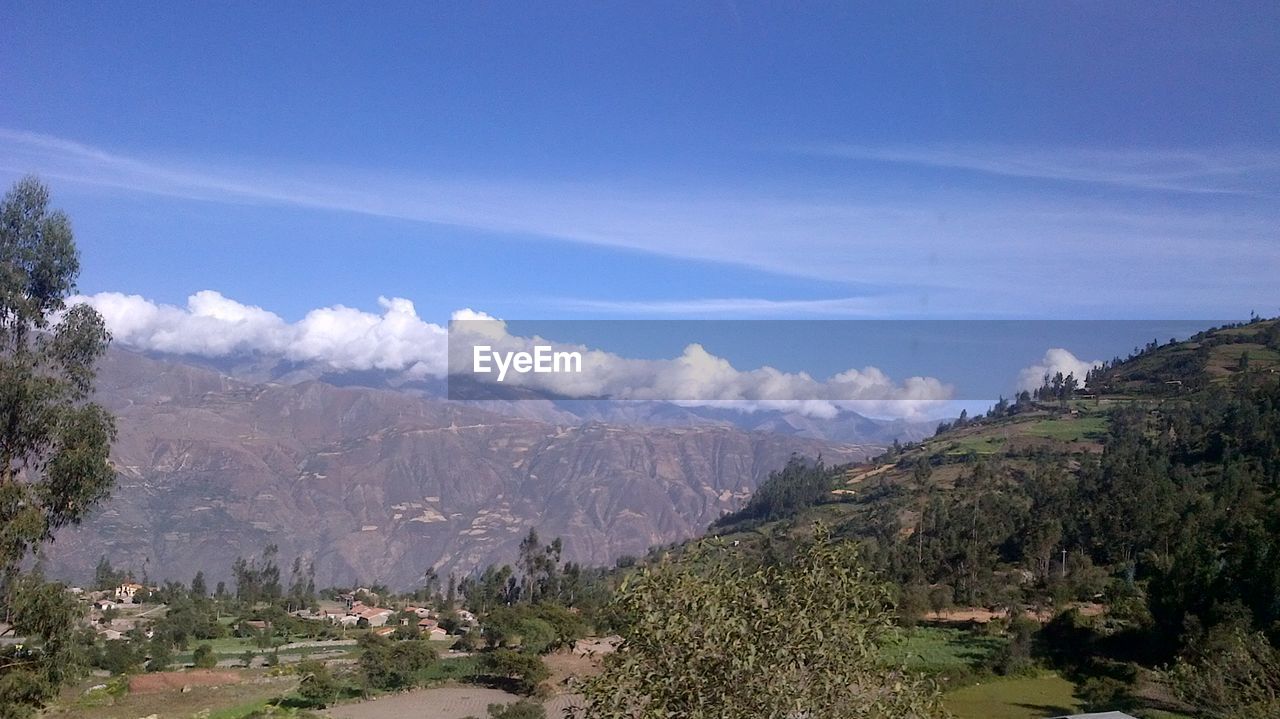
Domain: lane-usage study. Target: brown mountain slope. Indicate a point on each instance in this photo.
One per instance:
(379, 485)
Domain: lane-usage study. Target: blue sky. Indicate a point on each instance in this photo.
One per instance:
(661, 160)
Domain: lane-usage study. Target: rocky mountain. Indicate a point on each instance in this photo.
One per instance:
(381, 484)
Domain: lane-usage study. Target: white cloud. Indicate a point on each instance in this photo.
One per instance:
(697, 377)
(397, 339)
(1054, 361)
(212, 325)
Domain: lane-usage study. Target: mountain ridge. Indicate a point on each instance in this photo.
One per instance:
(380, 485)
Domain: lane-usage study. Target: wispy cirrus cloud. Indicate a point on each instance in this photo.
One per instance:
(1220, 171)
(730, 306)
(955, 250)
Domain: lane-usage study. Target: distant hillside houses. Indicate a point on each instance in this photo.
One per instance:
(359, 615)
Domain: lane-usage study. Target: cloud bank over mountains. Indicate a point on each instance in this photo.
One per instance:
(398, 340)
(698, 377)
(344, 338)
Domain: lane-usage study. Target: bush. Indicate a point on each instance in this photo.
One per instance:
(523, 709)
(804, 637)
(1014, 658)
(524, 671)
(204, 658)
(161, 657)
(385, 665)
(1230, 674)
(1105, 694)
(118, 657)
(318, 688)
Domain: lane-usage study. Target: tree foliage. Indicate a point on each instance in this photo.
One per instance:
(54, 441)
(385, 665)
(708, 638)
(1235, 674)
(522, 670)
(799, 485)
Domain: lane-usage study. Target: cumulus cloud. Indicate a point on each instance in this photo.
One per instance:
(700, 378)
(1054, 361)
(397, 339)
(345, 338)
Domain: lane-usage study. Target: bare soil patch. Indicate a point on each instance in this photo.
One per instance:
(436, 703)
(169, 681)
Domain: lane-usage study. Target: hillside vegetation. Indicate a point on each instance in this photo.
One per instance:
(1139, 512)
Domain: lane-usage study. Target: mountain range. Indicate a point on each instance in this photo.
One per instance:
(374, 478)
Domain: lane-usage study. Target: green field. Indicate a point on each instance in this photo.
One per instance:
(1033, 698)
(942, 650)
(1070, 430)
(977, 444)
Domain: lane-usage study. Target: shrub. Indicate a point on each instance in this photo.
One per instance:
(713, 637)
(525, 671)
(385, 665)
(318, 688)
(204, 658)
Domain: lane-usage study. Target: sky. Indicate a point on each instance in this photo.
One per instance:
(659, 160)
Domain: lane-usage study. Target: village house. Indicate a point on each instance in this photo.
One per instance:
(126, 592)
(375, 616)
(372, 616)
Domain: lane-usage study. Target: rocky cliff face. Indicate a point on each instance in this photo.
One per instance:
(380, 485)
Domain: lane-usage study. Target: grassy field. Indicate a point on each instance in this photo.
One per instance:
(977, 444)
(224, 702)
(942, 650)
(1030, 698)
(1070, 430)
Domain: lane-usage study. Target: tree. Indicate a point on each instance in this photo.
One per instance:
(199, 589)
(203, 657)
(387, 665)
(161, 656)
(118, 656)
(53, 441)
(524, 671)
(710, 636)
(106, 577)
(1235, 674)
(318, 687)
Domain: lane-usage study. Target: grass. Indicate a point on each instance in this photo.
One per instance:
(1070, 430)
(942, 650)
(977, 444)
(240, 710)
(230, 701)
(1022, 698)
(451, 669)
